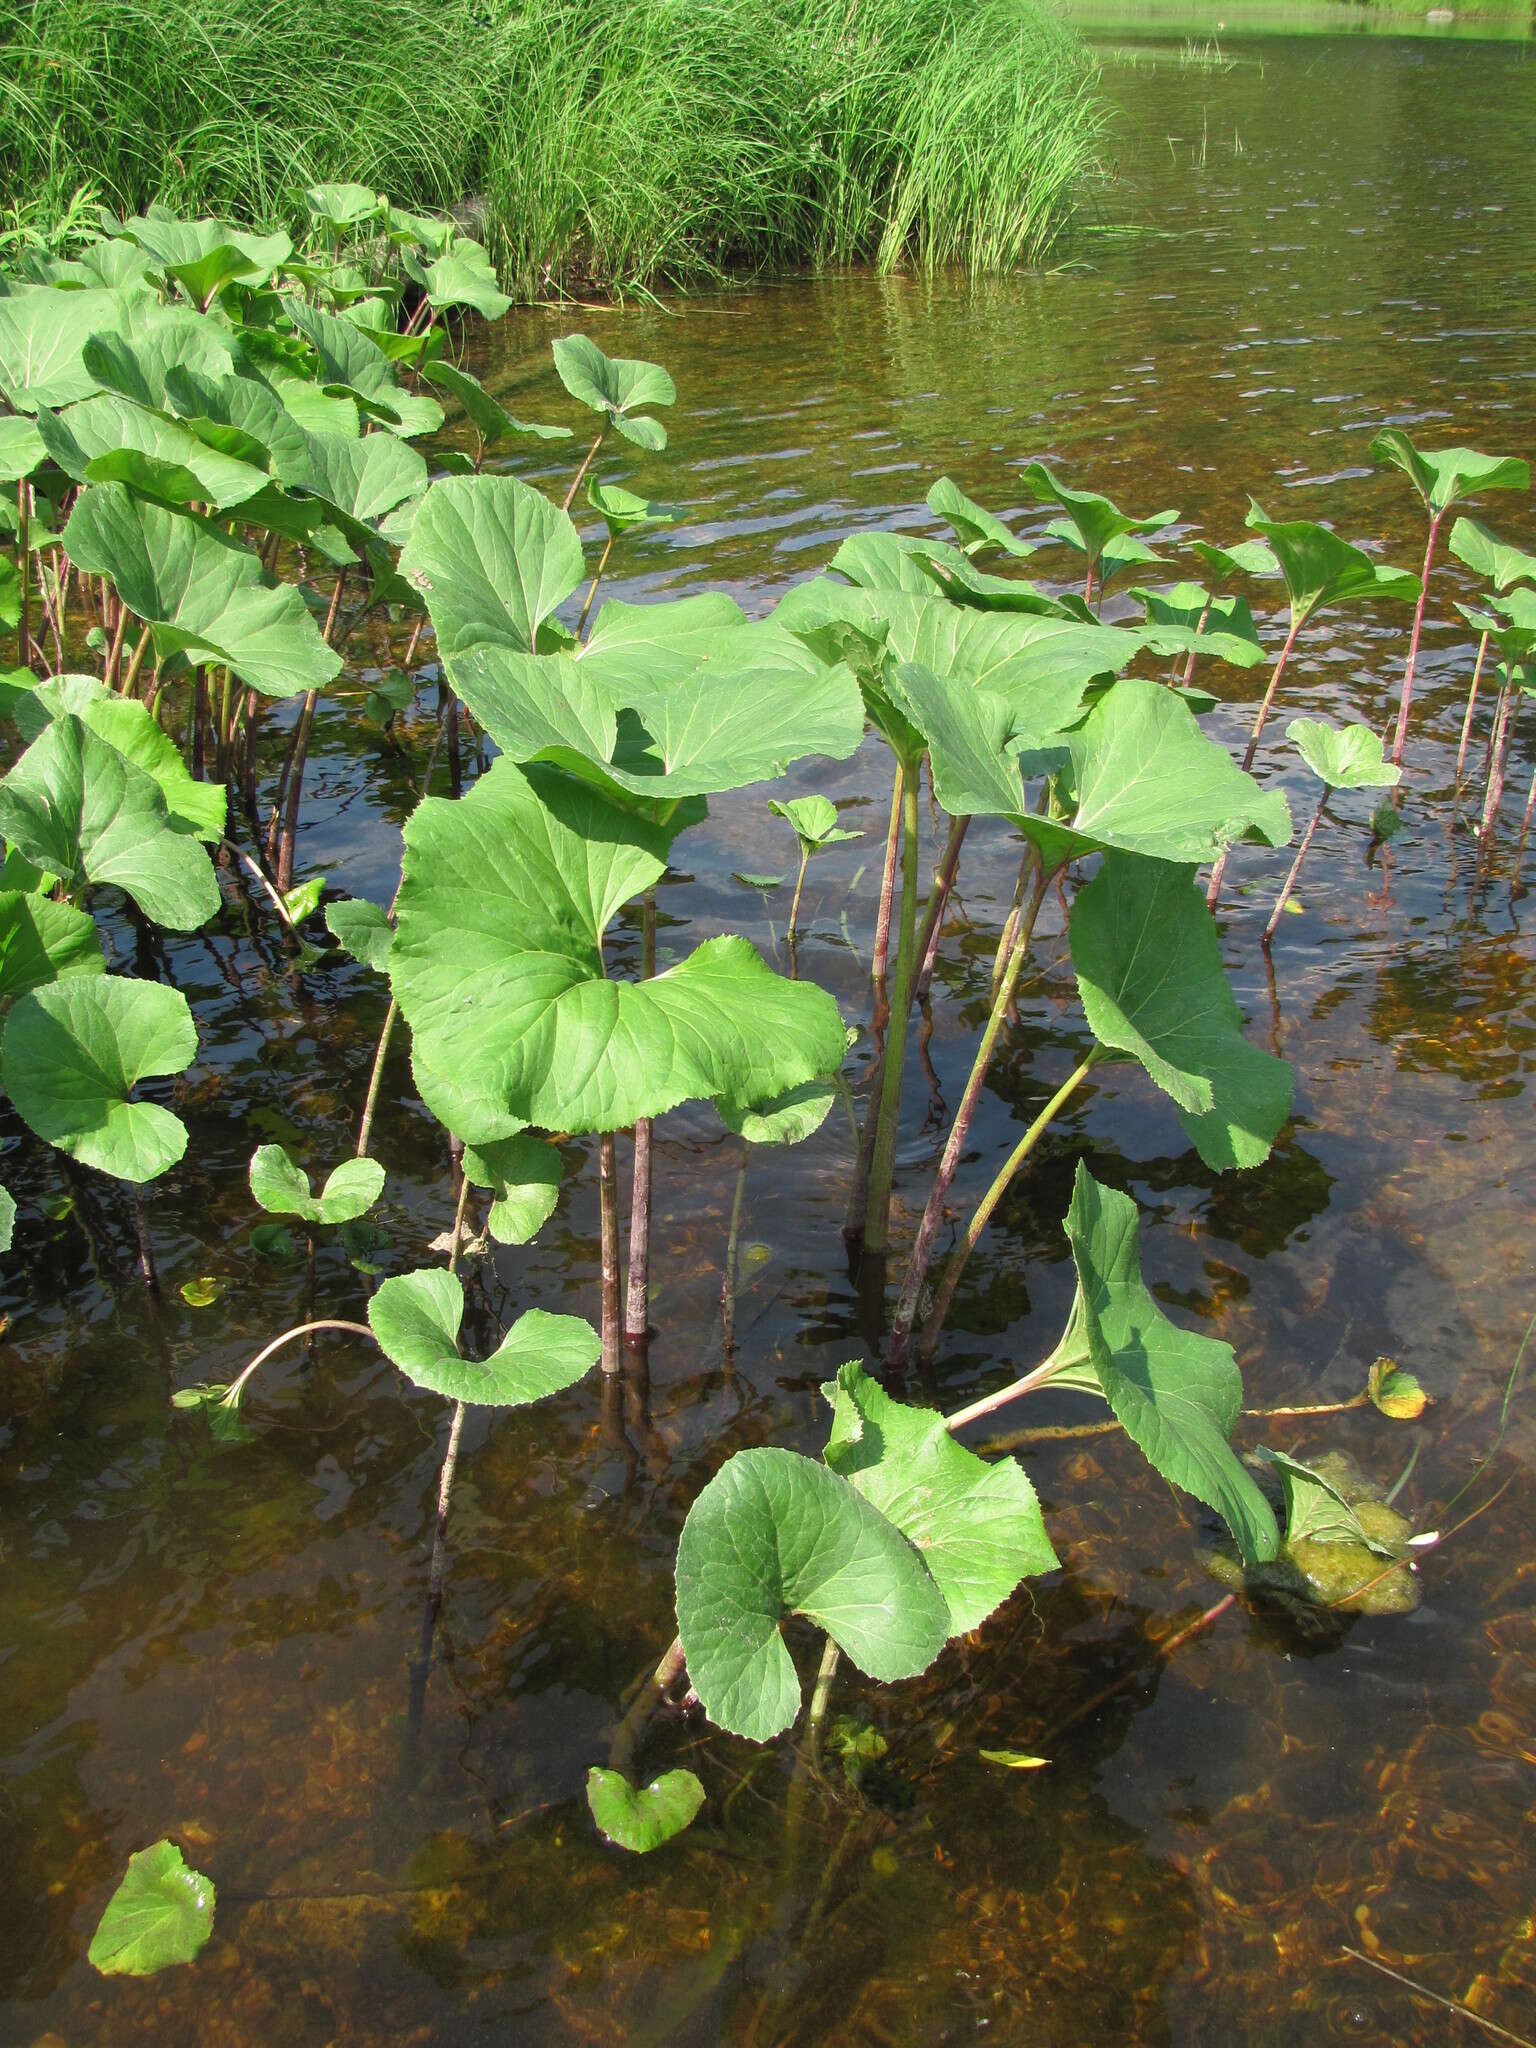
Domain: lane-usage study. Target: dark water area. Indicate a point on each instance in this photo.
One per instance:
(213, 1641)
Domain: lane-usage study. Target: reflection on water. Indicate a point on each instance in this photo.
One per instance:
(213, 1641)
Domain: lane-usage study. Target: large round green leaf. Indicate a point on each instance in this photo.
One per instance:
(775, 1534)
(125, 723)
(108, 439)
(201, 593)
(493, 558)
(43, 941)
(77, 808)
(161, 1913)
(1147, 955)
(416, 1318)
(498, 968)
(74, 1051)
(978, 1526)
(1175, 1393)
(282, 1189)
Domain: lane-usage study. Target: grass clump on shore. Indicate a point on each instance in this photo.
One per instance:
(614, 142)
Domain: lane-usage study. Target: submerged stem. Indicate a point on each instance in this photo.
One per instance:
(637, 1296)
(232, 1393)
(1301, 853)
(1466, 723)
(608, 1212)
(375, 1080)
(887, 885)
(1213, 890)
(733, 1239)
(1413, 641)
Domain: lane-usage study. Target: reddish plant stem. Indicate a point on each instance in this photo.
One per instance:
(24, 565)
(637, 1295)
(608, 1209)
(888, 1108)
(1466, 723)
(933, 918)
(295, 789)
(1413, 642)
(1162, 1652)
(586, 461)
(1189, 666)
(933, 1213)
(1213, 890)
(732, 1241)
(887, 886)
(1498, 756)
(1301, 853)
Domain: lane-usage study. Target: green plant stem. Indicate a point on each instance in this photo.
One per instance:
(794, 908)
(115, 651)
(1010, 932)
(375, 1080)
(821, 1694)
(1498, 755)
(1189, 666)
(602, 563)
(586, 463)
(295, 781)
(877, 1211)
(732, 1242)
(989, 1201)
(637, 1293)
(887, 885)
(1525, 818)
(1466, 723)
(642, 1710)
(1301, 853)
(608, 1214)
(147, 1268)
(933, 1213)
(231, 1398)
(24, 566)
(1413, 642)
(1213, 890)
(136, 663)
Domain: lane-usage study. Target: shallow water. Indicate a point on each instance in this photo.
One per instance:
(214, 1641)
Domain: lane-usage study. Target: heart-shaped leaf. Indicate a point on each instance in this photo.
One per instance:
(1188, 618)
(1244, 558)
(524, 1175)
(491, 421)
(1321, 570)
(125, 724)
(622, 511)
(975, 527)
(74, 1051)
(416, 1318)
(463, 276)
(1147, 955)
(160, 1914)
(1485, 554)
(813, 820)
(340, 206)
(1394, 1392)
(497, 966)
(1345, 757)
(784, 1119)
(201, 593)
(641, 1820)
(1097, 520)
(81, 810)
(493, 558)
(107, 439)
(775, 1534)
(282, 1189)
(616, 386)
(978, 1527)
(1444, 476)
(363, 930)
(43, 333)
(43, 941)
(1175, 1393)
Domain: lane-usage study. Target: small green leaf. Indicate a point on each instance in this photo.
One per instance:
(786, 1119)
(1395, 1392)
(763, 882)
(362, 929)
(160, 1914)
(343, 206)
(977, 1527)
(616, 386)
(1245, 558)
(74, 1050)
(524, 1175)
(416, 1318)
(7, 1219)
(1315, 1510)
(622, 511)
(283, 1190)
(1481, 550)
(642, 1820)
(303, 901)
(774, 1534)
(1097, 520)
(1321, 570)
(360, 1240)
(463, 276)
(975, 527)
(1444, 476)
(814, 821)
(43, 941)
(1013, 1759)
(203, 1292)
(1347, 757)
(274, 1241)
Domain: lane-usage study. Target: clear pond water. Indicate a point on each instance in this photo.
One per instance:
(215, 1641)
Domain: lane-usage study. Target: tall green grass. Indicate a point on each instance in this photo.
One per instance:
(615, 142)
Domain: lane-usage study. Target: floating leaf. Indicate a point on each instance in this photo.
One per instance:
(616, 386)
(416, 1318)
(493, 558)
(282, 1188)
(1176, 1394)
(160, 1914)
(763, 882)
(523, 1174)
(202, 1292)
(201, 593)
(774, 1534)
(1147, 955)
(74, 1051)
(978, 1527)
(1013, 1759)
(642, 1820)
(1348, 757)
(1444, 476)
(1395, 1392)
(78, 808)
(497, 966)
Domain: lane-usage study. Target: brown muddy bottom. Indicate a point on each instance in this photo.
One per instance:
(215, 1641)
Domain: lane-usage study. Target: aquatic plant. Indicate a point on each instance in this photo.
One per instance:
(1351, 758)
